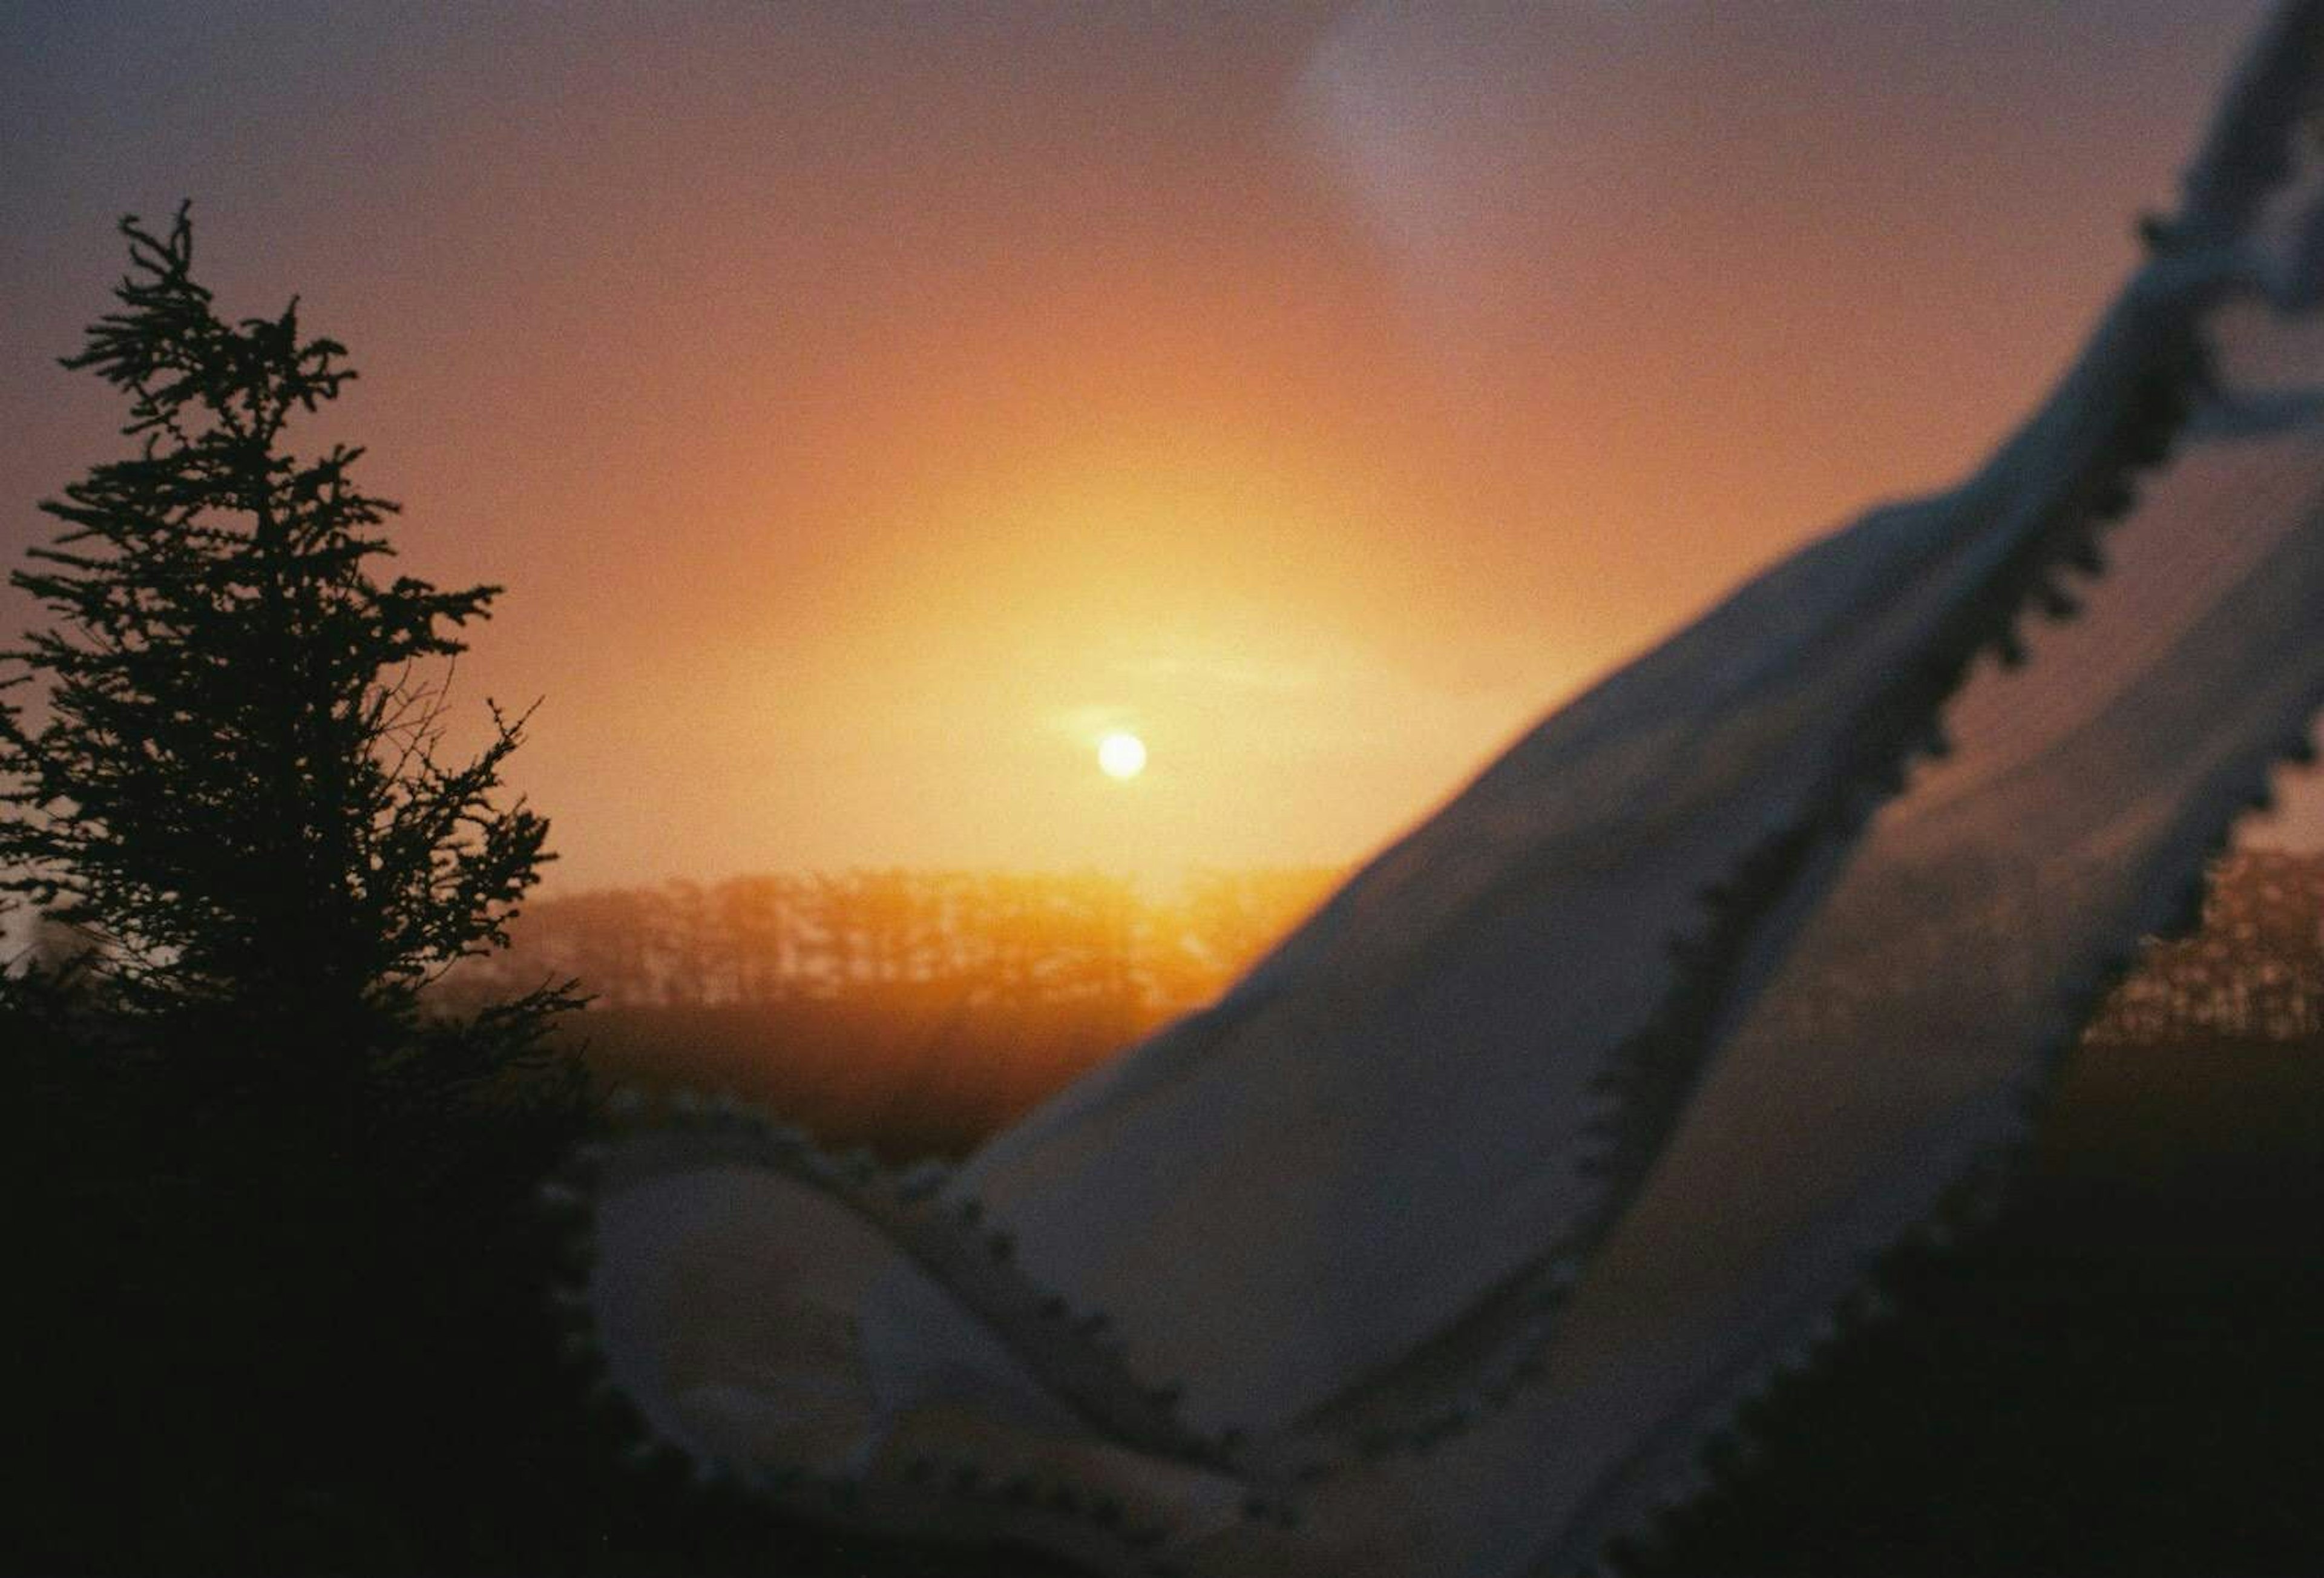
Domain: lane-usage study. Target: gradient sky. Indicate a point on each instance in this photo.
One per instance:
(867, 406)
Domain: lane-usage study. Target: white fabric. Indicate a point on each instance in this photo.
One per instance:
(1342, 1207)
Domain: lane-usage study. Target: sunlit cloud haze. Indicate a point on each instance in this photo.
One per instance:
(869, 407)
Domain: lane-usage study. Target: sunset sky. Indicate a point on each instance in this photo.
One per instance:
(869, 408)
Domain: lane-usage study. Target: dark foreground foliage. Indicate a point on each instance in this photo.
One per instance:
(2122, 1376)
(242, 1364)
(246, 1357)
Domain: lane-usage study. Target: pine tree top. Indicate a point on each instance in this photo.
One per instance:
(240, 784)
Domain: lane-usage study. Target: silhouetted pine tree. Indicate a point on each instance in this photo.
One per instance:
(290, 1202)
(237, 786)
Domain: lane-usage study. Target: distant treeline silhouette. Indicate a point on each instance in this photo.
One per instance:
(983, 939)
(976, 939)
(2254, 971)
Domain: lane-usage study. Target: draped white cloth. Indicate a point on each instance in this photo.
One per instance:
(1461, 1225)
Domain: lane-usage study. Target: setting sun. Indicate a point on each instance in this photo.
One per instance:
(1121, 755)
